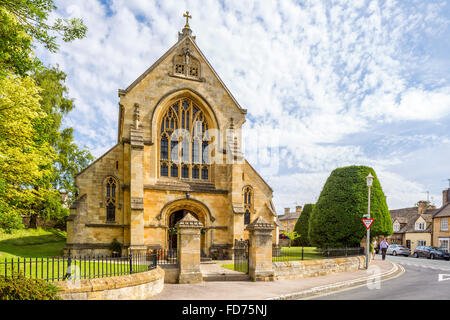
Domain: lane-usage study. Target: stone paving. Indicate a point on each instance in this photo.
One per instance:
(248, 290)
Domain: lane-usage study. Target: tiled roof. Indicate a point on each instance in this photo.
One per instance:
(289, 216)
(443, 212)
(407, 218)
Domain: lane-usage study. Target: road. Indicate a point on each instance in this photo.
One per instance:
(420, 281)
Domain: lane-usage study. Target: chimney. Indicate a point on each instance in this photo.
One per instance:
(287, 210)
(445, 197)
(298, 209)
(422, 206)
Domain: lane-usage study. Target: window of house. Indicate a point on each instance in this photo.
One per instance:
(248, 204)
(420, 226)
(111, 199)
(444, 224)
(184, 144)
(421, 243)
(396, 227)
(444, 244)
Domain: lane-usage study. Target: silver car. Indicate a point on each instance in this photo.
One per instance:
(397, 249)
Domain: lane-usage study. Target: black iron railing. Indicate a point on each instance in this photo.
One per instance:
(165, 256)
(280, 254)
(77, 267)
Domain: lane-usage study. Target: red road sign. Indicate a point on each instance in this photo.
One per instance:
(367, 223)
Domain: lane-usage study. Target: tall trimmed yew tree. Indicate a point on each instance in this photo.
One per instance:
(302, 225)
(336, 218)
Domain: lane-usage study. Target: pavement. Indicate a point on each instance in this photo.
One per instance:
(280, 289)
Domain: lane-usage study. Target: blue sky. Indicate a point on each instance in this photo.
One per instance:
(326, 83)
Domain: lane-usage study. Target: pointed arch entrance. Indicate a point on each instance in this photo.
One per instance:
(176, 210)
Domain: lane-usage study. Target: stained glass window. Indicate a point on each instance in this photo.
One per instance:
(187, 146)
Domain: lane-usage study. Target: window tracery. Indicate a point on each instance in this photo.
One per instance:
(248, 204)
(111, 199)
(184, 142)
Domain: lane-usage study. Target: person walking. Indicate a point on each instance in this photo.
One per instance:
(374, 246)
(383, 246)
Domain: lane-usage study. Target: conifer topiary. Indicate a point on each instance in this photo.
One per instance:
(302, 225)
(336, 218)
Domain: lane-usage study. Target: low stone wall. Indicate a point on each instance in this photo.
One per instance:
(138, 286)
(313, 268)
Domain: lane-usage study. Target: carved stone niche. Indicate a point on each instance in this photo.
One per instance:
(137, 204)
(186, 66)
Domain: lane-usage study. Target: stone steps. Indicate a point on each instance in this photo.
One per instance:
(205, 259)
(226, 277)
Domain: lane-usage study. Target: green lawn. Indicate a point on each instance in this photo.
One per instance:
(55, 269)
(32, 252)
(30, 243)
(295, 254)
(291, 254)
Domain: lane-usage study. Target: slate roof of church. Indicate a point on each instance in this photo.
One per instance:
(407, 218)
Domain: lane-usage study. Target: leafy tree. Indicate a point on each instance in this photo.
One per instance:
(25, 21)
(69, 159)
(302, 225)
(292, 236)
(336, 218)
(38, 158)
(24, 162)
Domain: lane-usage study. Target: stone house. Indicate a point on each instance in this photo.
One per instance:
(441, 233)
(413, 227)
(289, 218)
(178, 151)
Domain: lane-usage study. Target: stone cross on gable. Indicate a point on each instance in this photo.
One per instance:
(187, 16)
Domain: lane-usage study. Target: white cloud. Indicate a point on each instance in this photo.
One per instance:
(314, 72)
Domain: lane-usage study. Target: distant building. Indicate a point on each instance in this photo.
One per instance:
(413, 227)
(288, 219)
(441, 233)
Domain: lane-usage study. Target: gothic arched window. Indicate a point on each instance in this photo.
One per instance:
(248, 203)
(184, 143)
(111, 199)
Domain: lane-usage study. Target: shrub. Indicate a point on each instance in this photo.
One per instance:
(115, 247)
(302, 225)
(218, 254)
(336, 218)
(19, 287)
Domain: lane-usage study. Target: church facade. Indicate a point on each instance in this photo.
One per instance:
(178, 151)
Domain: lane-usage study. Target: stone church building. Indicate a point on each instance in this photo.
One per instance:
(178, 151)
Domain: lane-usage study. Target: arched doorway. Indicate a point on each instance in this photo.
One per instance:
(173, 219)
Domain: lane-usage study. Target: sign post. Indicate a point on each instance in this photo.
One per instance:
(369, 181)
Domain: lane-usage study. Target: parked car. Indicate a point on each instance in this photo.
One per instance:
(431, 253)
(397, 249)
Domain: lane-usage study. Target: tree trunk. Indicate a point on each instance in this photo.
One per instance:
(33, 221)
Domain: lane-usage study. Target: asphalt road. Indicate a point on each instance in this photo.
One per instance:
(420, 281)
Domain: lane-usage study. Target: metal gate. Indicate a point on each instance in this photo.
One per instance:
(240, 255)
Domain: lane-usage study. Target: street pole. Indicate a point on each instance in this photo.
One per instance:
(368, 235)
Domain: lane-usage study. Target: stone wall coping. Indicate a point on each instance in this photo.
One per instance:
(101, 284)
(260, 224)
(281, 264)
